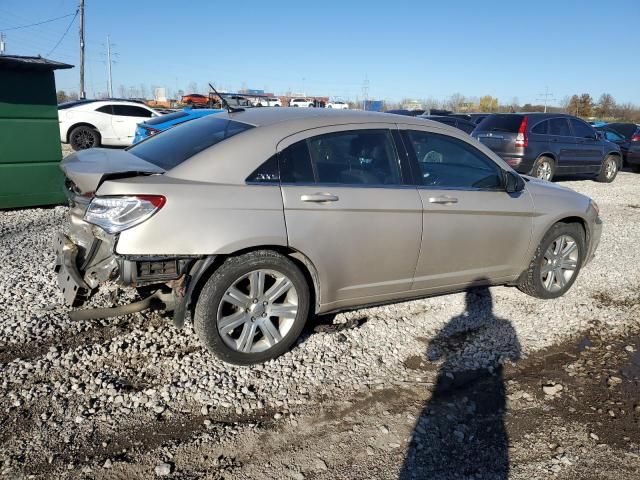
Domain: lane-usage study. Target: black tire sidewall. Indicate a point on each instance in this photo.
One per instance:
(205, 318)
(577, 233)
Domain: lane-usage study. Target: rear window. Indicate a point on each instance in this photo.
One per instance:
(180, 143)
(625, 129)
(166, 118)
(500, 123)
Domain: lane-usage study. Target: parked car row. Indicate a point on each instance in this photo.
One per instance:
(315, 211)
(627, 137)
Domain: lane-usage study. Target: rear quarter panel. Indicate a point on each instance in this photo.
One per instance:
(201, 218)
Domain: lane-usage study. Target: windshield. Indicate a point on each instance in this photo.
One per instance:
(174, 146)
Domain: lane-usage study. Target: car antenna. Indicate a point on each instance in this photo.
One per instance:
(224, 102)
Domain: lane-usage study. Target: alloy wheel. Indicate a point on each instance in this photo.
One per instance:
(257, 311)
(544, 171)
(559, 263)
(610, 169)
(84, 139)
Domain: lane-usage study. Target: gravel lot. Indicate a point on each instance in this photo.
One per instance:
(373, 393)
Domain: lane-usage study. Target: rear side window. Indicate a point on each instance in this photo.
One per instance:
(541, 128)
(131, 111)
(182, 142)
(627, 130)
(559, 127)
(501, 123)
(166, 118)
(612, 136)
(447, 162)
(105, 109)
(581, 129)
(357, 157)
(295, 164)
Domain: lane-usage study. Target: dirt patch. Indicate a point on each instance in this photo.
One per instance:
(606, 300)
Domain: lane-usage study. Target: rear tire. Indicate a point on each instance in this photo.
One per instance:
(556, 263)
(84, 137)
(544, 169)
(242, 318)
(609, 169)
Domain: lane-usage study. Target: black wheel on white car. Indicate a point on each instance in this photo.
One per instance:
(84, 137)
(556, 263)
(609, 170)
(252, 308)
(544, 169)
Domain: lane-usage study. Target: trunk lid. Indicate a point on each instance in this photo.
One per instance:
(87, 169)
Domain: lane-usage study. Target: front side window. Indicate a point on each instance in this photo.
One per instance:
(356, 157)
(448, 162)
(581, 129)
(559, 127)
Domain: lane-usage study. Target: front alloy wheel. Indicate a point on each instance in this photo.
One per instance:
(559, 263)
(544, 170)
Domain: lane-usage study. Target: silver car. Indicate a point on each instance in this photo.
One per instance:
(250, 222)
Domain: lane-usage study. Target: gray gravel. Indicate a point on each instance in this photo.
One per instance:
(70, 383)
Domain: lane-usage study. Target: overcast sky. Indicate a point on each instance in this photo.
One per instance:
(405, 49)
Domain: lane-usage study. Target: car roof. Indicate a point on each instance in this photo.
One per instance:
(300, 119)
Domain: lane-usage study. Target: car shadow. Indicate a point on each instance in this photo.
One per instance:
(461, 432)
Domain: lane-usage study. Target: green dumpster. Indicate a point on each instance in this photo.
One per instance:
(29, 135)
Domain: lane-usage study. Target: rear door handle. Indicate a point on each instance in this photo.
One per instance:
(443, 200)
(319, 197)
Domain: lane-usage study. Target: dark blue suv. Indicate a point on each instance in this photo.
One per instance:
(548, 144)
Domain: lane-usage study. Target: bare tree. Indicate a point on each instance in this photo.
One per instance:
(605, 106)
(143, 91)
(193, 87)
(456, 101)
(123, 91)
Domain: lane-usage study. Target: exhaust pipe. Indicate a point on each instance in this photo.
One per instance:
(158, 299)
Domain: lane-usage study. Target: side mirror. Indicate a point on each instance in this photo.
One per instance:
(513, 182)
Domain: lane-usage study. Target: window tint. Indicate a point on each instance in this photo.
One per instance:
(131, 111)
(105, 109)
(612, 136)
(451, 163)
(559, 126)
(501, 123)
(295, 164)
(356, 157)
(267, 172)
(541, 128)
(581, 129)
(166, 118)
(627, 130)
(180, 143)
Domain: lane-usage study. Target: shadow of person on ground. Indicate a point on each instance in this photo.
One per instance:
(460, 432)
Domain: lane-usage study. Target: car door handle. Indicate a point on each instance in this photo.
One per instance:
(319, 197)
(443, 200)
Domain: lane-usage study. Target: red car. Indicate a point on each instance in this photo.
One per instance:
(195, 99)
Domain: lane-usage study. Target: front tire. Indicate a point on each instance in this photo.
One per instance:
(556, 263)
(84, 137)
(252, 308)
(609, 170)
(544, 169)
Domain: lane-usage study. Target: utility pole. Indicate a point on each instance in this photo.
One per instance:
(546, 97)
(82, 92)
(365, 92)
(109, 66)
(2, 44)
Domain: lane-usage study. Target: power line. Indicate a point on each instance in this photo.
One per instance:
(546, 97)
(64, 34)
(39, 23)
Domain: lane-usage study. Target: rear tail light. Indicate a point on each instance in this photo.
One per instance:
(635, 138)
(115, 214)
(522, 140)
(151, 131)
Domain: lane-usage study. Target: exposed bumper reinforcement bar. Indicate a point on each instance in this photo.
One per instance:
(158, 299)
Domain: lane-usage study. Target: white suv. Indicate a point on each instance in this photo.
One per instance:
(300, 102)
(268, 102)
(92, 123)
(338, 105)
